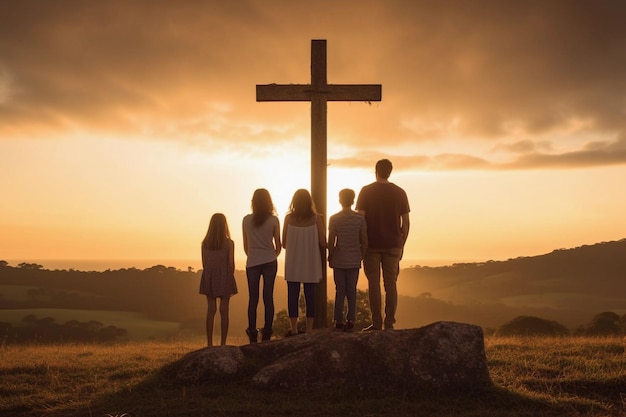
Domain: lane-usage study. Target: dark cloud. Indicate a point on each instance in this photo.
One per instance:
(578, 159)
(539, 64)
(528, 156)
(507, 71)
(598, 153)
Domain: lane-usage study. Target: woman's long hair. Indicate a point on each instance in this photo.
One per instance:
(217, 233)
(302, 206)
(262, 206)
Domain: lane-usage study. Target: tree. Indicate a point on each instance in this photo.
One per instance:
(25, 265)
(605, 324)
(531, 326)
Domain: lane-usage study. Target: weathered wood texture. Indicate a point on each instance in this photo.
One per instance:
(332, 92)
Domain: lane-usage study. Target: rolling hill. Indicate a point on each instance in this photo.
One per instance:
(567, 285)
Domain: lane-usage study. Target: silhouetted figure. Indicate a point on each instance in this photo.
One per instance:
(347, 243)
(304, 240)
(218, 274)
(261, 242)
(319, 93)
(386, 210)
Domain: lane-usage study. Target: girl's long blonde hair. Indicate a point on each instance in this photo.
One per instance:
(217, 233)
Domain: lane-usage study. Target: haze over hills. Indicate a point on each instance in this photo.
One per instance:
(566, 285)
(593, 271)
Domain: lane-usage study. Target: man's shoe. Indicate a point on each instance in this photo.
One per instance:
(349, 326)
(339, 326)
(371, 328)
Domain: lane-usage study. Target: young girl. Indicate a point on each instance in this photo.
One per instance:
(218, 275)
(304, 240)
(261, 243)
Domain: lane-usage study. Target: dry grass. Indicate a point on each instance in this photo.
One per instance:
(590, 372)
(46, 378)
(532, 377)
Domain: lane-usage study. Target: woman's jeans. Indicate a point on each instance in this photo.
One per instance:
(293, 297)
(268, 272)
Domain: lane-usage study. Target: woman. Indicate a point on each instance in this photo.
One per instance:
(218, 273)
(261, 243)
(304, 240)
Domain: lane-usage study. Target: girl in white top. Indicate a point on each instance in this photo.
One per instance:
(261, 242)
(304, 240)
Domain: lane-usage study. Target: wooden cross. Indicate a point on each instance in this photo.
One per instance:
(319, 92)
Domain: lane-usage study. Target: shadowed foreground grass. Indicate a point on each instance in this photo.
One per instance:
(532, 377)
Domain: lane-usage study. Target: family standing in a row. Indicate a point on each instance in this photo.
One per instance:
(375, 234)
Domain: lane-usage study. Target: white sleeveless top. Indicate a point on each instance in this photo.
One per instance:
(303, 262)
(261, 249)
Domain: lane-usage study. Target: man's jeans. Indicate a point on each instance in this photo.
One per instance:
(389, 261)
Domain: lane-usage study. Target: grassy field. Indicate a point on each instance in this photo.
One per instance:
(532, 377)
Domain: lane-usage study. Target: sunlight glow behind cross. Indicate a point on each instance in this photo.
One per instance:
(319, 92)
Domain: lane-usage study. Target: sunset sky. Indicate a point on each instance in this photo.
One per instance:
(124, 125)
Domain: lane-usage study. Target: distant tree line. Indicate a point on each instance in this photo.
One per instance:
(603, 324)
(46, 330)
(160, 292)
(607, 323)
(167, 293)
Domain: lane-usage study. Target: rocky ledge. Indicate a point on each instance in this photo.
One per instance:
(441, 357)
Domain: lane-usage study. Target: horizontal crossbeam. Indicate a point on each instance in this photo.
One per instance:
(330, 92)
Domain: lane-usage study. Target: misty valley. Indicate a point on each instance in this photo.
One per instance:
(577, 291)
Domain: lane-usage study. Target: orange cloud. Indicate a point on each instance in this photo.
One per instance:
(497, 71)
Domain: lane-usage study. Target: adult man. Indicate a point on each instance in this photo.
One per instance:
(386, 210)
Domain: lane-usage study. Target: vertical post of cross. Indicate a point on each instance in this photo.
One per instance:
(319, 92)
(319, 131)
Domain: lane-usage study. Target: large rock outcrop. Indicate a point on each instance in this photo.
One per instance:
(443, 356)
